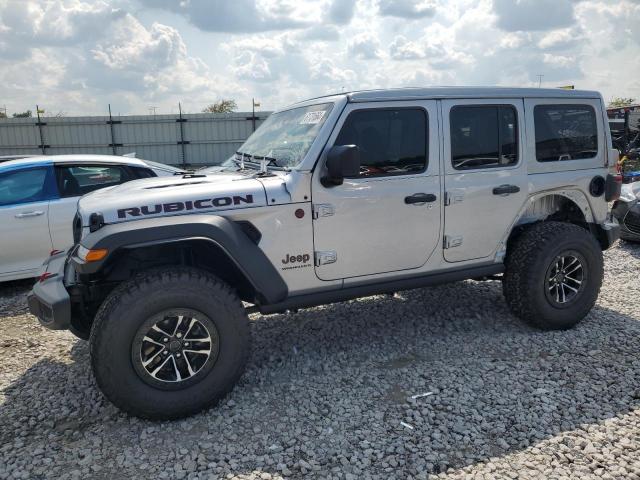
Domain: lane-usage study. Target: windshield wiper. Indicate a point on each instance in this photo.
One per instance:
(240, 162)
(257, 160)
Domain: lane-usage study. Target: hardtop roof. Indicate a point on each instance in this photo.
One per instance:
(467, 92)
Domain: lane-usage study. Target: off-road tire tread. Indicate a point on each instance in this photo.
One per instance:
(130, 291)
(522, 254)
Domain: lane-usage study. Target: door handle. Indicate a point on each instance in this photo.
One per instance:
(420, 198)
(506, 189)
(34, 213)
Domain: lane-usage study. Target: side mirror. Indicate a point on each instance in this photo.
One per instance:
(342, 161)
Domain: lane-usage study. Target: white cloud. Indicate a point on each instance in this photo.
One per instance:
(79, 55)
(341, 11)
(562, 39)
(326, 71)
(235, 15)
(364, 46)
(251, 66)
(403, 49)
(531, 15)
(409, 9)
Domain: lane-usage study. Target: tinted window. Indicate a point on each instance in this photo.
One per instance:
(77, 180)
(565, 132)
(391, 142)
(143, 172)
(483, 137)
(23, 186)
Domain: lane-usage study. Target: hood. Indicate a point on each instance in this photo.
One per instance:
(173, 195)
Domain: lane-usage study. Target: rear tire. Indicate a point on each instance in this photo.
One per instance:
(169, 343)
(553, 275)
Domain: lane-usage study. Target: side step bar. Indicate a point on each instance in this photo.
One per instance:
(341, 295)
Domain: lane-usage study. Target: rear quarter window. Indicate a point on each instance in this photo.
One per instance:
(565, 132)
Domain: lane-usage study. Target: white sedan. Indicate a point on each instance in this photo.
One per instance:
(38, 201)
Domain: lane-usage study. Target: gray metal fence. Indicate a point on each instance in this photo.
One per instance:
(187, 139)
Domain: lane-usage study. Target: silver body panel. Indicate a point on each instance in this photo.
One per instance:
(362, 231)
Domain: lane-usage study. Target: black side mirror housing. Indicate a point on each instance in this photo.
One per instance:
(343, 161)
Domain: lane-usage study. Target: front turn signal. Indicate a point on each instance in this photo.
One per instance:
(93, 255)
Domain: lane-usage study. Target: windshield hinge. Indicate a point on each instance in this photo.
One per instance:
(323, 210)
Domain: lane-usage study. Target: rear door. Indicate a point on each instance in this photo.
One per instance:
(24, 205)
(485, 174)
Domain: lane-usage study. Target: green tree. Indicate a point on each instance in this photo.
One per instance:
(221, 106)
(26, 114)
(617, 102)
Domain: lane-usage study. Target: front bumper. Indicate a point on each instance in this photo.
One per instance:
(49, 299)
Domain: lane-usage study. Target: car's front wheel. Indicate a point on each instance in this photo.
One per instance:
(169, 343)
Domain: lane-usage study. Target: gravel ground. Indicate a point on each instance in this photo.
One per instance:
(328, 393)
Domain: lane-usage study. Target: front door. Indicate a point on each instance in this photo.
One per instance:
(24, 220)
(485, 174)
(388, 218)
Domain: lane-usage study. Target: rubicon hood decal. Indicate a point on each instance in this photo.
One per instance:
(157, 197)
(172, 207)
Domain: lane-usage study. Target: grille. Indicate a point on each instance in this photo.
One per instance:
(77, 228)
(632, 222)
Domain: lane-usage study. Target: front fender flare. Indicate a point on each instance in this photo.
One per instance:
(224, 233)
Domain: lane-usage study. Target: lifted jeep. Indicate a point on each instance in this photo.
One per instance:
(332, 199)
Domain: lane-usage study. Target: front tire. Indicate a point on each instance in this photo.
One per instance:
(169, 343)
(553, 275)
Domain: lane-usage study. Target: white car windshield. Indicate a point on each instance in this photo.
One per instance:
(285, 137)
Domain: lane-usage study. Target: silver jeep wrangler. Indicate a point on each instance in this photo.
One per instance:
(331, 199)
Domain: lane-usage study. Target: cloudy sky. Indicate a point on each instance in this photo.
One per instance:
(77, 56)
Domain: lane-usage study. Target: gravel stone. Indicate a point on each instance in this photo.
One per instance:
(326, 389)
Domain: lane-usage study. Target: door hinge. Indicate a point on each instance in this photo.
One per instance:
(453, 196)
(325, 258)
(452, 242)
(323, 210)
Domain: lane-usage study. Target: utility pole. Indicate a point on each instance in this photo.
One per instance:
(253, 113)
(39, 123)
(539, 80)
(182, 141)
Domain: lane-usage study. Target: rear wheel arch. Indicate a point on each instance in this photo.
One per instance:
(557, 206)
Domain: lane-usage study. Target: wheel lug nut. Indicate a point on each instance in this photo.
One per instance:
(178, 355)
(165, 339)
(179, 335)
(186, 344)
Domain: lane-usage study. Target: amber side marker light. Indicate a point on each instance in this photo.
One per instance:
(91, 255)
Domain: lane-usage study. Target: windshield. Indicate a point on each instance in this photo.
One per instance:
(286, 136)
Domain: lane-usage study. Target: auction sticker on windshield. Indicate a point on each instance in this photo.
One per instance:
(311, 118)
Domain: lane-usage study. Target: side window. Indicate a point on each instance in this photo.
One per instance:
(391, 141)
(483, 136)
(23, 186)
(77, 180)
(142, 172)
(565, 132)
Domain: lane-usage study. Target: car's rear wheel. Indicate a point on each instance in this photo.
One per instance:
(169, 343)
(553, 274)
